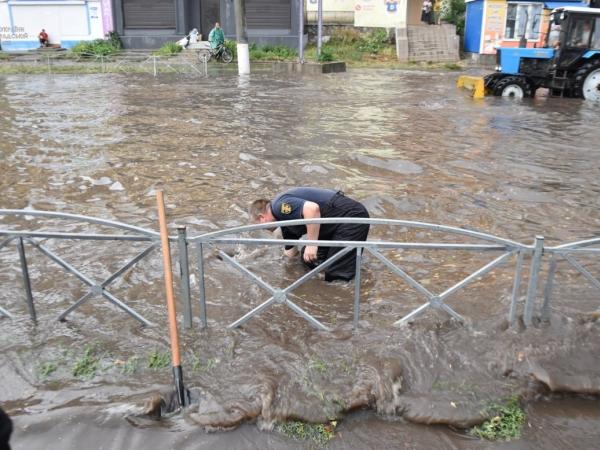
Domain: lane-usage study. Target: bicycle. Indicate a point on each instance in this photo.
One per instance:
(221, 53)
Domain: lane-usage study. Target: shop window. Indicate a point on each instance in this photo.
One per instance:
(523, 19)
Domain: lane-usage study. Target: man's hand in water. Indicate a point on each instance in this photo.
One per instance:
(310, 254)
(291, 252)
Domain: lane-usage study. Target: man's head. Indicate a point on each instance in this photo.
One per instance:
(43, 31)
(260, 211)
(217, 25)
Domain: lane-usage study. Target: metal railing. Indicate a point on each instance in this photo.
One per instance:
(95, 288)
(122, 62)
(485, 243)
(281, 296)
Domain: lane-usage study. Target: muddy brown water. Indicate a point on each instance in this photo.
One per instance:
(409, 146)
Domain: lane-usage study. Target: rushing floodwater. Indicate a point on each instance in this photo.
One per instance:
(408, 145)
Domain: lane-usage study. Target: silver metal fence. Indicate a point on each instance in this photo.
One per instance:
(96, 288)
(281, 296)
(568, 252)
(503, 250)
(122, 62)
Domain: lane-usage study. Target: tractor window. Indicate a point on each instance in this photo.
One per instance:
(523, 19)
(581, 32)
(596, 38)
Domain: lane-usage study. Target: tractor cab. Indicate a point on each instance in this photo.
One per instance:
(568, 65)
(575, 34)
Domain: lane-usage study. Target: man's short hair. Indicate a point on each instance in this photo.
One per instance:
(257, 208)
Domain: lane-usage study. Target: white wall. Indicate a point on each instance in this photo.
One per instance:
(65, 21)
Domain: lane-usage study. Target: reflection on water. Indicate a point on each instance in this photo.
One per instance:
(406, 143)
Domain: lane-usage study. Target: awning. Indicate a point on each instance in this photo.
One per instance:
(553, 5)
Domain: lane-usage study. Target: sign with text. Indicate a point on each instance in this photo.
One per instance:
(380, 13)
(493, 28)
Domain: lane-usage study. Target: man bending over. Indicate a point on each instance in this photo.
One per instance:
(314, 203)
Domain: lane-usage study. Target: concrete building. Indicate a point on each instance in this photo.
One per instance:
(149, 23)
(66, 22)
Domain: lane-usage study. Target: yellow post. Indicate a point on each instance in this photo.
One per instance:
(475, 84)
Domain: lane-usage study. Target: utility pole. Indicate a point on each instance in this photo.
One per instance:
(243, 53)
(319, 26)
(301, 32)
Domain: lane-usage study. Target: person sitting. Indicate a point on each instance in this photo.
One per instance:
(216, 37)
(43, 37)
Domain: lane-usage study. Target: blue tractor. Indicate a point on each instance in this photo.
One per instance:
(568, 65)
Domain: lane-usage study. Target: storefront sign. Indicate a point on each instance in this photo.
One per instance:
(493, 27)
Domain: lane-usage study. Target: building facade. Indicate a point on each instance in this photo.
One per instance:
(149, 23)
(66, 22)
(508, 23)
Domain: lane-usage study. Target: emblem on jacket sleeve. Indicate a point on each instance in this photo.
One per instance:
(286, 208)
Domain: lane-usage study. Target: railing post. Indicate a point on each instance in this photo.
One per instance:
(26, 280)
(545, 314)
(536, 261)
(357, 287)
(512, 313)
(184, 272)
(154, 64)
(200, 248)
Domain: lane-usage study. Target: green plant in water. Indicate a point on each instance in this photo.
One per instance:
(318, 366)
(47, 369)
(131, 366)
(169, 49)
(320, 433)
(506, 424)
(159, 360)
(86, 366)
(197, 365)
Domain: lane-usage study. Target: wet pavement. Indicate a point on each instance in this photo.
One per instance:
(407, 144)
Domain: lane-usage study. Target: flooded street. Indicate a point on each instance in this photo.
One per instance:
(405, 143)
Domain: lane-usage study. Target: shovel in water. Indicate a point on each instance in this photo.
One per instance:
(182, 395)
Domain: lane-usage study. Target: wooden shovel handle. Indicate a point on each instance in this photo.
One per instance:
(166, 252)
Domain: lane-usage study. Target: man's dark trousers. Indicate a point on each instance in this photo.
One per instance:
(340, 206)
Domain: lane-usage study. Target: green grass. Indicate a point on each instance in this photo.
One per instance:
(159, 360)
(318, 365)
(319, 434)
(97, 47)
(272, 53)
(131, 366)
(452, 66)
(506, 424)
(169, 49)
(86, 365)
(48, 368)
(198, 366)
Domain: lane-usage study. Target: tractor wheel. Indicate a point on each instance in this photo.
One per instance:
(587, 81)
(517, 87)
